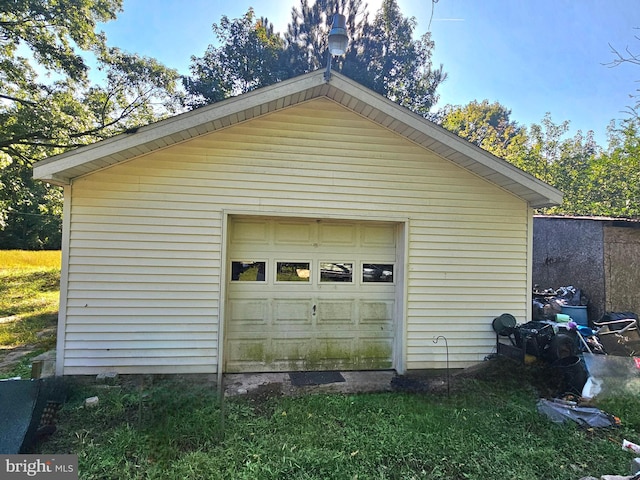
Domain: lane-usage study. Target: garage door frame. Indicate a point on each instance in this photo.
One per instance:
(402, 225)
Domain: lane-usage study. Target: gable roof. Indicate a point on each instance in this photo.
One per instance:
(62, 169)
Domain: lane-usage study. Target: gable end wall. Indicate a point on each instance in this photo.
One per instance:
(145, 238)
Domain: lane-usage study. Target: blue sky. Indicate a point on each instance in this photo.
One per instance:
(531, 56)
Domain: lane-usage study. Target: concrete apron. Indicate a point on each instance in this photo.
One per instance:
(280, 383)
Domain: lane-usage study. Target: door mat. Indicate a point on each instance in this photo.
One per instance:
(301, 379)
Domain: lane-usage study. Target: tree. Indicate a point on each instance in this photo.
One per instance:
(52, 40)
(397, 66)
(307, 34)
(615, 175)
(627, 57)
(49, 29)
(542, 150)
(568, 167)
(248, 58)
(487, 125)
(381, 55)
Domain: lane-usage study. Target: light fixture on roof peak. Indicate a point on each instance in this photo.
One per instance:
(338, 41)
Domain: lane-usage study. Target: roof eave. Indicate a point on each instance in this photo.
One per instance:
(63, 168)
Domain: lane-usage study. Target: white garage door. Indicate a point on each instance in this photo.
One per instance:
(310, 295)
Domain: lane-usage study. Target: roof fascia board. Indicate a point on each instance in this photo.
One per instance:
(447, 138)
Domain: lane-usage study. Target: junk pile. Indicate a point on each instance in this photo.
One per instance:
(593, 358)
(557, 305)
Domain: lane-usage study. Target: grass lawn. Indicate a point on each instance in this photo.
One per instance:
(488, 428)
(29, 295)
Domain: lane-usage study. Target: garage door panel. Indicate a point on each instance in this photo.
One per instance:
(253, 232)
(294, 348)
(292, 311)
(248, 311)
(341, 312)
(246, 350)
(293, 233)
(337, 234)
(378, 312)
(334, 349)
(375, 353)
(378, 236)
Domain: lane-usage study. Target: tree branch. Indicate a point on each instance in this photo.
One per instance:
(631, 58)
(48, 145)
(19, 100)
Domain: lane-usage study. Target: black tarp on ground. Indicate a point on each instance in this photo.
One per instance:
(22, 403)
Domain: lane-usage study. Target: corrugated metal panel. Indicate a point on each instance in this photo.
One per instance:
(145, 253)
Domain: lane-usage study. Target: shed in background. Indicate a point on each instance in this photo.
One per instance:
(599, 255)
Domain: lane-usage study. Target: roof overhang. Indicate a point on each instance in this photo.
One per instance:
(62, 169)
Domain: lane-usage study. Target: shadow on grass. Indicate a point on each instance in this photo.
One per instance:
(41, 280)
(28, 330)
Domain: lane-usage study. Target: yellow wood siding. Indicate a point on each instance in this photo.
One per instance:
(145, 251)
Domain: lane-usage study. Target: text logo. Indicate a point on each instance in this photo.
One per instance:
(51, 467)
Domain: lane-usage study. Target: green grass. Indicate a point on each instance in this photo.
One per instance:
(29, 296)
(488, 428)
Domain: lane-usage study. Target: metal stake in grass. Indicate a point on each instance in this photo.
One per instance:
(221, 401)
(446, 345)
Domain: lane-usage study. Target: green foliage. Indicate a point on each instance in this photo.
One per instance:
(53, 40)
(615, 175)
(248, 58)
(594, 181)
(381, 55)
(487, 125)
(50, 29)
(397, 66)
(30, 211)
(487, 428)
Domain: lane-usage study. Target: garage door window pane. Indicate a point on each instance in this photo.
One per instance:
(293, 272)
(247, 271)
(377, 272)
(336, 272)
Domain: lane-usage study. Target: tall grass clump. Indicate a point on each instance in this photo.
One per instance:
(30, 260)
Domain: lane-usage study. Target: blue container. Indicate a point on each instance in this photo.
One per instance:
(578, 313)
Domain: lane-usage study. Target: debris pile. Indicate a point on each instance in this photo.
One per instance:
(548, 303)
(594, 358)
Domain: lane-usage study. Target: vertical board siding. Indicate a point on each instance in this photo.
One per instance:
(145, 237)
